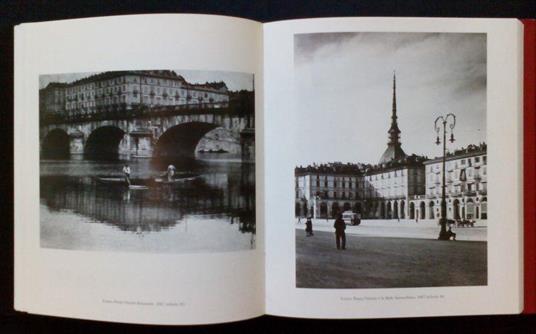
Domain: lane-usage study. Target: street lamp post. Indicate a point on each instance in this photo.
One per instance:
(450, 120)
(315, 207)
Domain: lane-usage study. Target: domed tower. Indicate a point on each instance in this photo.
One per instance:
(394, 150)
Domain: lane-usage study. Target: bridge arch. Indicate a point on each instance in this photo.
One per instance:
(180, 141)
(104, 143)
(55, 144)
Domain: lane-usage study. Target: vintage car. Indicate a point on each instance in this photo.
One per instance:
(465, 223)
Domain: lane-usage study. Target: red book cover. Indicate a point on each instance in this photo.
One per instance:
(530, 165)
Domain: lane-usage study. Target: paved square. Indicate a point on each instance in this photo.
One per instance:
(381, 262)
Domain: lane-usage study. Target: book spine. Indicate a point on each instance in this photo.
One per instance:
(529, 157)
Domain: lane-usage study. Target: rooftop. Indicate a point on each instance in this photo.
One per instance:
(339, 168)
(469, 151)
(163, 74)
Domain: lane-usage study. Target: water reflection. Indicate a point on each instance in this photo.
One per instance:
(213, 211)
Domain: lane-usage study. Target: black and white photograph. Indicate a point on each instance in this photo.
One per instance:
(391, 174)
(156, 161)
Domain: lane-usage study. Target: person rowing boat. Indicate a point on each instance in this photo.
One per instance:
(126, 172)
(170, 172)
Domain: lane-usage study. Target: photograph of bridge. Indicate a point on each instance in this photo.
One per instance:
(392, 192)
(147, 161)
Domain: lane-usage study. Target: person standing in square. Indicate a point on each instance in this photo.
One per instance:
(309, 227)
(340, 234)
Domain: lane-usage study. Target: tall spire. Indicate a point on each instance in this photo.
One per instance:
(394, 150)
(394, 131)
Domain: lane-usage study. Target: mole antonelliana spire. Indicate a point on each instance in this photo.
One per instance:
(394, 150)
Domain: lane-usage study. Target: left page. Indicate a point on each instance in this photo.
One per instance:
(135, 182)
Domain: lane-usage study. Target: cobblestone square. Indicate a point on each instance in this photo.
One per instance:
(385, 262)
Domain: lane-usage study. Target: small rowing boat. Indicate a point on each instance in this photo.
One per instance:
(121, 181)
(137, 187)
(111, 180)
(162, 180)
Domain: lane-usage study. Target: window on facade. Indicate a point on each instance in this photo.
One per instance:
(484, 159)
(477, 159)
(462, 162)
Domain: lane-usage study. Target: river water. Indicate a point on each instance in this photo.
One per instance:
(212, 209)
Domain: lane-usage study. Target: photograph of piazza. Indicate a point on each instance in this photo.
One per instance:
(159, 161)
(391, 192)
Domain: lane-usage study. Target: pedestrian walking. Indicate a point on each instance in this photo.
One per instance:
(340, 234)
(309, 227)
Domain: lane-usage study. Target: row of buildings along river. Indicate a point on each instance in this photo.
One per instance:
(128, 112)
(110, 91)
(400, 186)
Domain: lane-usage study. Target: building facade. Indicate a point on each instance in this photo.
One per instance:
(52, 98)
(322, 191)
(125, 90)
(398, 187)
(388, 187)
(465, 185)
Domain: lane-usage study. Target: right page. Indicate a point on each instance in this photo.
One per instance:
(393, 167)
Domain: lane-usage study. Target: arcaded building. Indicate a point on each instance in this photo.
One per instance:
(400, 186)
(465, 185)
(324, 190)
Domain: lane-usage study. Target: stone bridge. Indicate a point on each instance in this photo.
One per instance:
(171, 131)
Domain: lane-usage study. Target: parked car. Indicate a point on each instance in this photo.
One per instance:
(351, 218)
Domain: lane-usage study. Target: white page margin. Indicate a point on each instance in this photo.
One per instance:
(226, 286)
(503, 294)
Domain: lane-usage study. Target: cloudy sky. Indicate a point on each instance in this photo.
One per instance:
(234, 80)
(344, 91)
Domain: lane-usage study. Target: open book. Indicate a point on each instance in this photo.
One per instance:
(188, 169)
